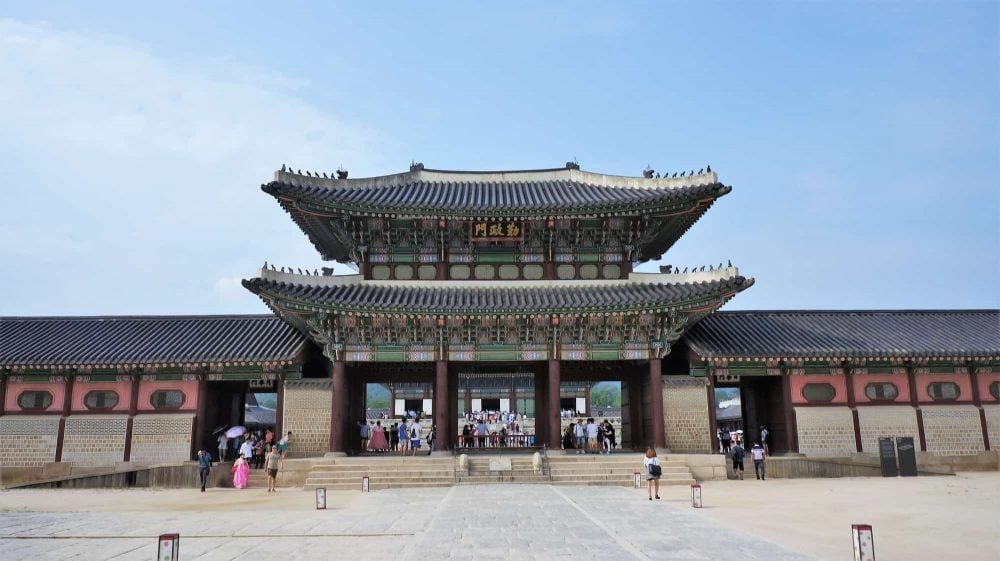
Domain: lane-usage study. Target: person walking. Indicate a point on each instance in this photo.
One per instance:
(738, 454)
(580, 435)
(431, 437)
(241, 472)
(726, 441)
(764, 434)
(415, 430)
(365, 435)
(246, 450)
(609, 431)
(653, 472)
(272, 463)
(403, 433)
(592, 435)
(394, 437)
(568, 438)
(377, 440)
(758, 460)
(283, 445)
(223, 446)
(204, 467)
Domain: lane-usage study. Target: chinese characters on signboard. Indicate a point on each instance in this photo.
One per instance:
(497, 231)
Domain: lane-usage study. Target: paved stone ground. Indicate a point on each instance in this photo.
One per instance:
(481, 523)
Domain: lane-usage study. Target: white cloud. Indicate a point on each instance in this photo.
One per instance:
(150, 165)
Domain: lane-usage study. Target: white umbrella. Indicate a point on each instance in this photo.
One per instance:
(233, 432)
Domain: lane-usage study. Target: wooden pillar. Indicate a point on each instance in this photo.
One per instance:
(3, 393)
(67, 407)
(553, 435)
(977, 400)
(338, 408)
(441, 406)
(791, 436)
(279, 408)
(712, 421)
(911, 379)
(200, 421)
(853, 405)
(133, 409)
(656, 402)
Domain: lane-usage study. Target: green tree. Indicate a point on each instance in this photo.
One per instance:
(606, 394)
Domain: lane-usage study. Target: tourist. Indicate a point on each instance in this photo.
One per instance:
(365, 434)
(481, 432)
(268, 440)
(568, 437)
(415, 429)
(580, 437)
(726, 441)
(246, 450)
(738, 454)
(431, 437)
(204, 467)
(377, 441)
(403, 433)
(241, 472)
(466, 436)
(609, 429)
(764, 433)
(718, 437)
(223, 445)
(283, 445)
(758, 460)
(394, 437)
(653, 472)
(258, 453)
(592, 435)
(385, 435)
(272, 464)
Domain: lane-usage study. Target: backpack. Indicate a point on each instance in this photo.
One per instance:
(655, 470)
(413, 434)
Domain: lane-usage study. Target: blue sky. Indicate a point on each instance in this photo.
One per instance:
(861, 139)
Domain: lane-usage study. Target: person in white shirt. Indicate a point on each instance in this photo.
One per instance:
(223, 446)
(247, 449)
(592, 435)
(758, 460)
(580, 434)
(652, 473)
(415, 436)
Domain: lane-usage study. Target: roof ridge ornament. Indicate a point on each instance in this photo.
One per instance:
(416, 166)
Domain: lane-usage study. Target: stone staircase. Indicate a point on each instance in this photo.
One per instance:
(386, 472)
(614, 469)
(522, 471)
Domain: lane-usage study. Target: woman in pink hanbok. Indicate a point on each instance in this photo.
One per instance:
(377, 442)
(241, 473)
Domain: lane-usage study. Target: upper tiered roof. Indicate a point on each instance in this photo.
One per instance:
(317, 203)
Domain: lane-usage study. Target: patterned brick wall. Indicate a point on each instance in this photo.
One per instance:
(28, 441)
(94, 439)
(825, 431)
(161, 439)
(993, 425)
(307, 415)
(879, 421)
(953, 430)
(685, 411)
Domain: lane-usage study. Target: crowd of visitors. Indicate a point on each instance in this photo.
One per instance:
(252, 450)
(594, 438)
(405, 436)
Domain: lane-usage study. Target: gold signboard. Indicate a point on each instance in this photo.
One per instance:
(497, 231)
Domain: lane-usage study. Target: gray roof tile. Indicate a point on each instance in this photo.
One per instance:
(847, 334)
(140, 340)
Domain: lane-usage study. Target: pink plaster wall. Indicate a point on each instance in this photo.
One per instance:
(901, 381)
(838, 382)
(80, 390)
(963, 381)
(984, 386)
(190, 389)
(14, 389)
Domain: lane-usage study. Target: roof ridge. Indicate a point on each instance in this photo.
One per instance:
(140, 317)
(863, 311)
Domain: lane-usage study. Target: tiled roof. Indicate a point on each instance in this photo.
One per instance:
(528, 198)
(846, 334)
(370, 296)
(46, 342)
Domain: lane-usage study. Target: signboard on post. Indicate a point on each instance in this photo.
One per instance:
(169, 548)
(907, 456)
(321, 498)
(864, 542)
(887, 457)
(638, 480)
(696, 496)
(364, 484)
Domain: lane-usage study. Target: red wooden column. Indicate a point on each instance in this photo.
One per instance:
(442, 417)
(554, 436)
(3, 393)
(656, 402)
(853, 405)
(279, 411)
(67, 406)
(791, 437)
(977, 400)
(911, 379)
(200, 416)
(338, 409)
(133, 409)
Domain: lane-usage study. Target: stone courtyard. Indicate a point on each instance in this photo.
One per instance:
(921, 518)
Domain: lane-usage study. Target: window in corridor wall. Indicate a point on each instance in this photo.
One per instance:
(34, 400)
(101, 399)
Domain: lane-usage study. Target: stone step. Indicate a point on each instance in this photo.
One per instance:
(360, 472)
(375, 487)
(325, 480)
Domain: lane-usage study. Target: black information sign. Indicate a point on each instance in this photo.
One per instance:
(907, 456)
(887, 457)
